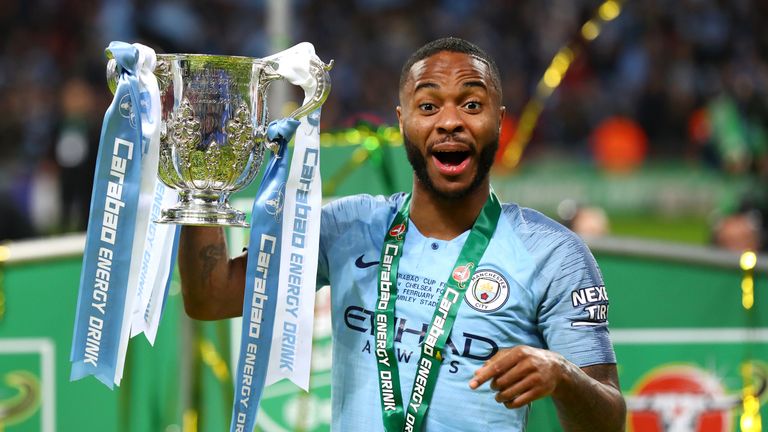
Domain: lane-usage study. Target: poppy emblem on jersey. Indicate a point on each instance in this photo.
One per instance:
(461, 273)
(488, 291)
(397, 231)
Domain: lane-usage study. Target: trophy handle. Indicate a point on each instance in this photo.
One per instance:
(112, 75)
(162, 73)
(319, 72)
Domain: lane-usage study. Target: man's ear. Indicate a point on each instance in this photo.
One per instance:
(502, 112)
(399, 111)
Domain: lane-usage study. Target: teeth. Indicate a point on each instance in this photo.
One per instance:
(454, 150)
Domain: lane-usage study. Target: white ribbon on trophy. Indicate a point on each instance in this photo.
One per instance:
(291, 350)
(157, 256)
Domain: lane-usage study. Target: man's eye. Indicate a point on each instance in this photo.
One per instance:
(427, 107)
(472, 105)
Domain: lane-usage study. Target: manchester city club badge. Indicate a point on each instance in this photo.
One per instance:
(488, 291)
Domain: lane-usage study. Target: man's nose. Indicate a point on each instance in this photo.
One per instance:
(450, 120)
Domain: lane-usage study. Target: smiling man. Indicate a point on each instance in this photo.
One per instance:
(450, 106)
(452, 311)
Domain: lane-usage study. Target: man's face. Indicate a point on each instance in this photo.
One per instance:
(450, 116)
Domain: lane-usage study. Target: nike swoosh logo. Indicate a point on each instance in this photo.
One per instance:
(362, 264)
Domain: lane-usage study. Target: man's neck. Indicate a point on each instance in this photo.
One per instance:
(444, 218)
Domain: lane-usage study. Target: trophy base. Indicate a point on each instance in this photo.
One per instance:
(203, 210)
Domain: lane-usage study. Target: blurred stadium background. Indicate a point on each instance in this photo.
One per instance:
(643, 125)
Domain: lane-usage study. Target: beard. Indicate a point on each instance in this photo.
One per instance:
(484, 163)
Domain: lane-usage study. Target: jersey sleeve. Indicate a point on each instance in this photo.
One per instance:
(349, 221)
(573, 316)
(328, 234)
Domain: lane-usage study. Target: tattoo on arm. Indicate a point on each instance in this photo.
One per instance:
(210, 256)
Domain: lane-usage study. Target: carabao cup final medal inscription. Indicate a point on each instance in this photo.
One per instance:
(419, 290)
(410, 332)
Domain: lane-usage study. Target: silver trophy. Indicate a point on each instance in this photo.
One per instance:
(214, 128)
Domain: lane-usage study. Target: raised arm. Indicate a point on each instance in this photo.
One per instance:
(212, 284)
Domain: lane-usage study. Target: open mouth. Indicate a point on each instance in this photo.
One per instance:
(451, 161)
(451, 158)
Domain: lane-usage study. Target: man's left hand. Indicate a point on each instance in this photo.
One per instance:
(521, 374)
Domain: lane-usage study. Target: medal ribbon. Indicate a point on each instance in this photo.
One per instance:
(395, 417)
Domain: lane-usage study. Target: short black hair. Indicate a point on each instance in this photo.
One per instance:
(451, 44)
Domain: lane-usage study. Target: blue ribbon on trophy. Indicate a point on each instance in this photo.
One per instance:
(126, 168)
(261, 280)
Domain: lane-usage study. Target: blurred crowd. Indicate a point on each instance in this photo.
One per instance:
(690, 75)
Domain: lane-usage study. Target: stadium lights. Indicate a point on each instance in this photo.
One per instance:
(750, 420)
(747, 262)
(590, 30)
(609, 10)
(551, 79)
(5, 253)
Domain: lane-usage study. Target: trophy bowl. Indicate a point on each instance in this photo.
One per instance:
(213, 131)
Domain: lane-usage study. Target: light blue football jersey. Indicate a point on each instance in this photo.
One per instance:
(537, 284)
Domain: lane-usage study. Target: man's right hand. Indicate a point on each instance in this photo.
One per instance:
(212, 284)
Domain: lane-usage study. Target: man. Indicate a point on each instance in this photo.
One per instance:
(532, 322)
